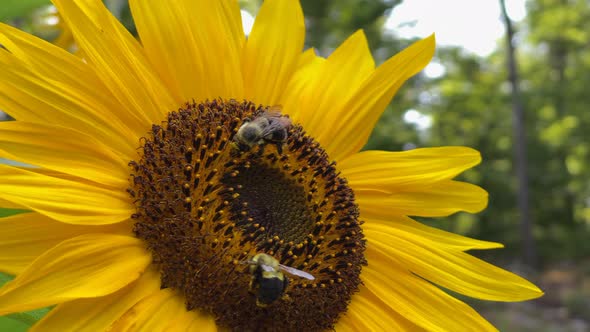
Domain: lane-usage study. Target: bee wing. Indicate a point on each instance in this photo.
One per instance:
(273, 127)
(285, 121)
(264, 267)
(267, 268)
(295, 272)
(274, 111)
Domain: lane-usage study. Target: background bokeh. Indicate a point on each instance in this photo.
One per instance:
(467, 97)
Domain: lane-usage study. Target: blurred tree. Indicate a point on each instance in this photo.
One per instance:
(330, 22)
(559, 74)
(520, 144)
(472, 107)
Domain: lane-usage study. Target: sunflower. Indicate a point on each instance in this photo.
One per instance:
(164, 167)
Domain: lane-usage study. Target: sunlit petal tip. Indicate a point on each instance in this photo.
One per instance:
(450, 268)
(483, 198)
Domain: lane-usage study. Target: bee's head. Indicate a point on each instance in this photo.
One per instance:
(249, 133)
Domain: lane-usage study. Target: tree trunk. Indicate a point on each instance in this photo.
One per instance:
(519, 136)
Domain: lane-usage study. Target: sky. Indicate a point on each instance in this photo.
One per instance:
(473, 24)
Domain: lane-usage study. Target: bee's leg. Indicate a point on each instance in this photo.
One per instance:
(252, 287)
(286, 296)
(279, 147)
(260, 304)
(260, 149)
(235, 148)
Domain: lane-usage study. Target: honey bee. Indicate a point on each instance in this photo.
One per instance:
(268, 281)
(268, 127)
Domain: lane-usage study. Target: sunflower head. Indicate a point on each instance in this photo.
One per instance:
(170, 192)
(204, 206)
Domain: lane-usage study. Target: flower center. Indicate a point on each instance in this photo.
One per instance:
(221, 182)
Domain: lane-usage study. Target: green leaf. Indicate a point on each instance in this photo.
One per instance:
(4, 278)
(10, 212)
(9, 324)
(14, 8)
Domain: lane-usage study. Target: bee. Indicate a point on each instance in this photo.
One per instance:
(268, 281)
(268, 127)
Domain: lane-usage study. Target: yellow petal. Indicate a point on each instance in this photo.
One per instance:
(4, 204)
(452, 269)
(119, 60)
(401, 171)
(64, 200)
(299, 85)
(194, 45)
(338, 79)
(366, 312)
(50, 147)
(89, 265)
(98, 314)
(349, 132)
(438, 200)
(410, 228)
(307, 58)
(25, 236)
(162, 311)
(45, 84)
(416, 299)
(272, 50)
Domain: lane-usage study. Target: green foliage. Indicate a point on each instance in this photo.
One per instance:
(10, 325)
(10, 212)
(18, 8)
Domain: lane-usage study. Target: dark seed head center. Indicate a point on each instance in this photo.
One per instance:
(205, 206)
